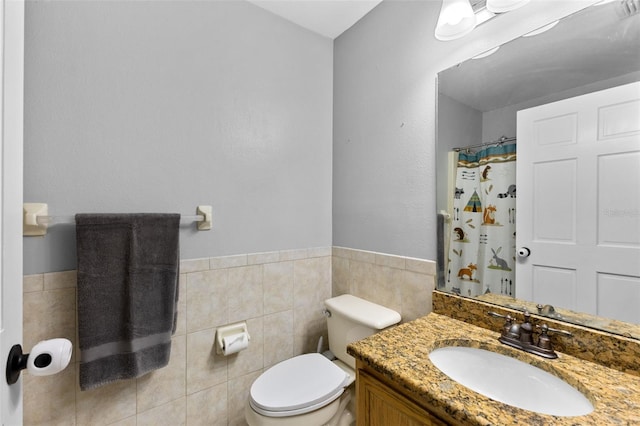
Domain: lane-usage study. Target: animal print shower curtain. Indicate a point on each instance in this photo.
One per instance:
(481, 256)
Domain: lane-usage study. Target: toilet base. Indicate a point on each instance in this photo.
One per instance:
(337, 413)
(347, 418)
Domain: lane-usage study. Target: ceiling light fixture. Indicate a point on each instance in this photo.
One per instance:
(501, 6)
(455, 21)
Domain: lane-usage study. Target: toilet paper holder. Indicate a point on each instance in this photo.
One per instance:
(47, 357)
(239, 328)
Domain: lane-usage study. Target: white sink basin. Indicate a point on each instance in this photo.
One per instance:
(510, 381)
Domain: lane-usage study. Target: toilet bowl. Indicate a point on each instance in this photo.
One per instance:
(311, 389)
(307, 389)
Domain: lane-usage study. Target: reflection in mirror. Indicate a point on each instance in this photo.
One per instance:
(592, 50)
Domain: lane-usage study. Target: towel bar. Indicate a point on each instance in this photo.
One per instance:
(56, 220)
(36, 219)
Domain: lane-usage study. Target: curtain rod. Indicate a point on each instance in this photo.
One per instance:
(497, 142)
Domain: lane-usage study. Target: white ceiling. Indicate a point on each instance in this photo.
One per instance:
(329, 18)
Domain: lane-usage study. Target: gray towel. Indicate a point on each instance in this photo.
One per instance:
(127, 294)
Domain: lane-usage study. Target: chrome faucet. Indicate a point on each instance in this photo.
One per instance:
(520, 336)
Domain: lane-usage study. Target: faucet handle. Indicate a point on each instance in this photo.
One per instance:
(508, 321)
(544, 328)
(557, 331)
(544, 342)
(543, 346)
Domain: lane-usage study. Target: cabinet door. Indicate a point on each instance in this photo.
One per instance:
(379, 405)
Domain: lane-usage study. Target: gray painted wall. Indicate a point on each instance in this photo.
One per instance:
(502, 121)
(458, 126)
(161, 106)
(385, 67)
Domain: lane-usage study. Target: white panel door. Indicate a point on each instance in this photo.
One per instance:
(11, 88)
(578, 203)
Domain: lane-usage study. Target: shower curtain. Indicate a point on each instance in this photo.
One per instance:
(481, 256)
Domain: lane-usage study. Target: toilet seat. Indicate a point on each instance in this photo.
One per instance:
(298, 385)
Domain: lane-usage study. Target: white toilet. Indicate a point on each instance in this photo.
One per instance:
(310, 389)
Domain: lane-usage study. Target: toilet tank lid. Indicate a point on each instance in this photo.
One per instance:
(362, 311)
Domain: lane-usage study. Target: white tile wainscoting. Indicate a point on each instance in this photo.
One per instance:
(280, 295)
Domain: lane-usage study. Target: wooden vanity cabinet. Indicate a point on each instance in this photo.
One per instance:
(382, 403)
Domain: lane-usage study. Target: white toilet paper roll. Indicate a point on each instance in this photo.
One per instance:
(234, 343)
(49, 357)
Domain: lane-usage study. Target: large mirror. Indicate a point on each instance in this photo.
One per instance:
(592, 50)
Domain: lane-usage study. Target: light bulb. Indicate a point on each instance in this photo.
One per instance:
(456, 20)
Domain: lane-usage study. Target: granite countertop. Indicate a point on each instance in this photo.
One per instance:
(401, 355)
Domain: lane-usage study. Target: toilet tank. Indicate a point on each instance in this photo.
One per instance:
(351, 319)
